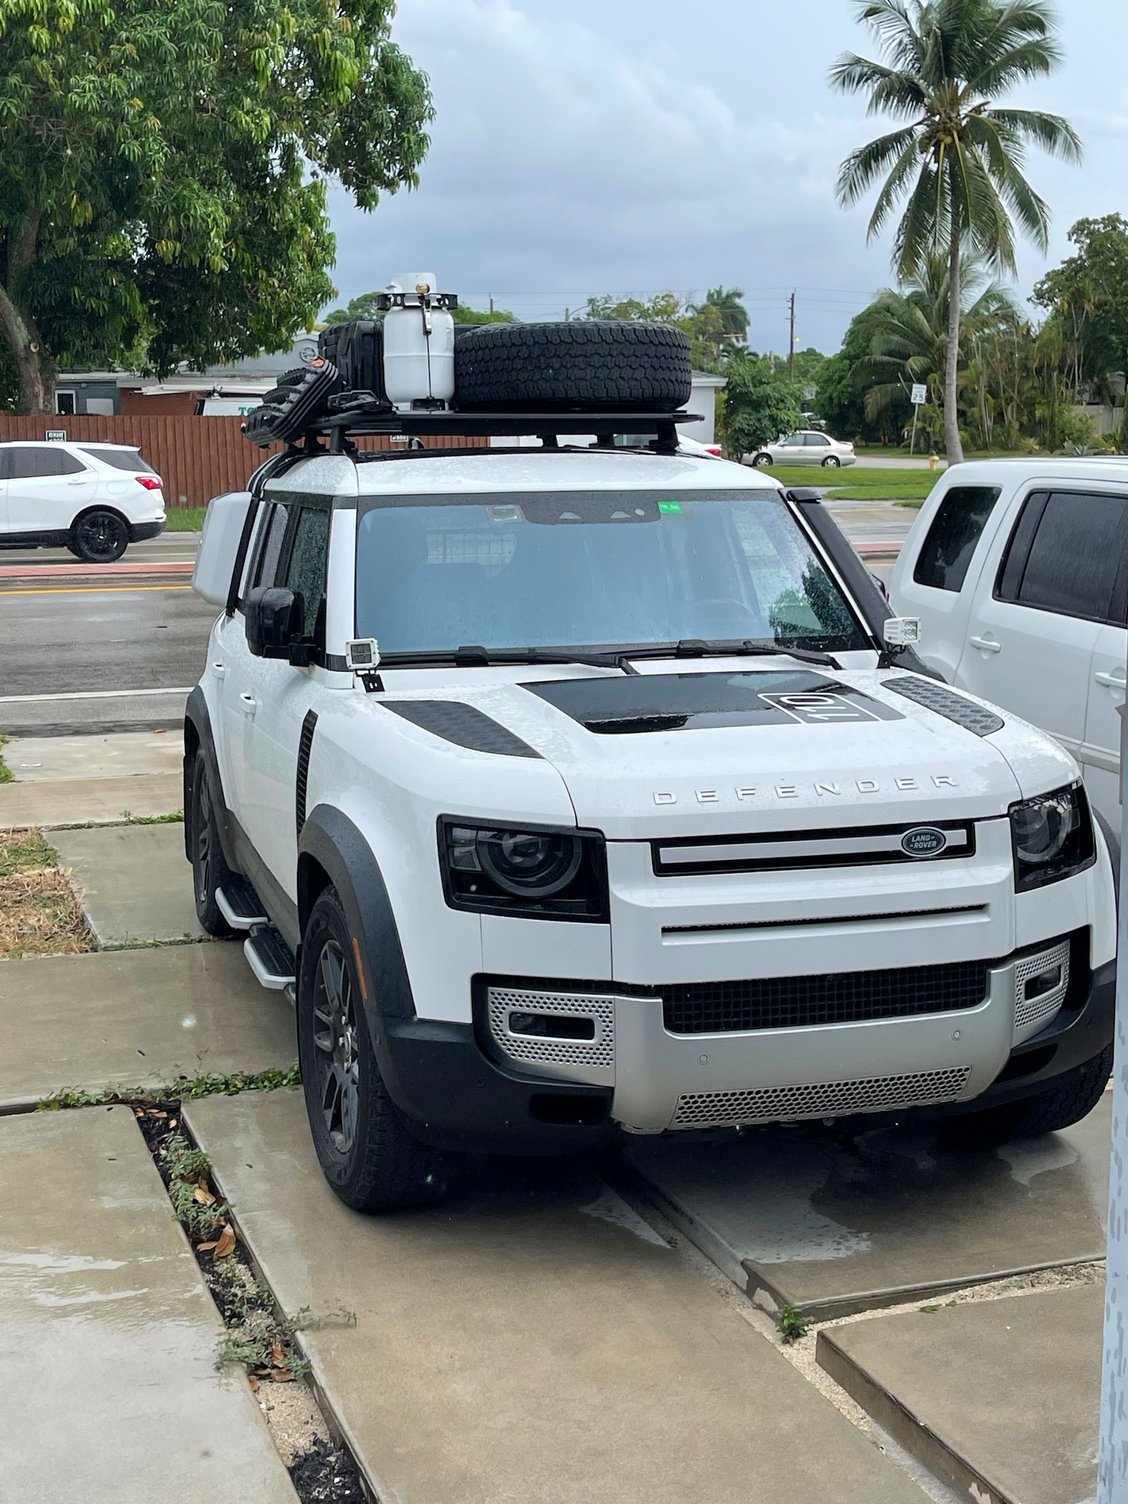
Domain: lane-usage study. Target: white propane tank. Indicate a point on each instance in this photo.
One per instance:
(418, 341)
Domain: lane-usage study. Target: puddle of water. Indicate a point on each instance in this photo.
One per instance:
(1032, 1157)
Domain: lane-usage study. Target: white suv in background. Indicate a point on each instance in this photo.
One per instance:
(94, 499)
(1018, 571)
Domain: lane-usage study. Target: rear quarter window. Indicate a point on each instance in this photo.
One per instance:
(121, 459)
(953, 536)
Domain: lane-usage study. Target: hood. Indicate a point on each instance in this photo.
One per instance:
(721, 746)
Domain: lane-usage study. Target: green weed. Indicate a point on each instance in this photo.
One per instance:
(791, 1322)
(184, 1089)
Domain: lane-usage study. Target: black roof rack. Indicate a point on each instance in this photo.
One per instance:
(338, 428)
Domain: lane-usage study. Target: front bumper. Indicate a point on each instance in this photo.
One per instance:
(470, 1087)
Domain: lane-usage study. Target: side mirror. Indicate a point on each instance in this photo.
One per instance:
(880, 583)
(271, 621)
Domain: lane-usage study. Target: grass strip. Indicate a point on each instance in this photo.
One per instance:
(183, 1089)
(859, 483)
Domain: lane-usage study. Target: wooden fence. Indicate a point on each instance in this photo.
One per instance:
(196, 458)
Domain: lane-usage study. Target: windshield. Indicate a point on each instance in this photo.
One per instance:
(592, 569)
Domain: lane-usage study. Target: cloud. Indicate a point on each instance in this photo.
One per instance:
(562, 165)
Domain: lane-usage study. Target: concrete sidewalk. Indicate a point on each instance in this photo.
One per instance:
(532, 1342)
(79, 780)
(107, 1385)
(133, 882)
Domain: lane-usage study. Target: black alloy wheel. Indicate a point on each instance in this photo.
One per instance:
(100, 537)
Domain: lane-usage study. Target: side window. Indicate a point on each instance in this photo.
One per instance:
(816, 441)
(956, 529)
(33, 463)
(270, 547)
(1065, 554)
(306, 568)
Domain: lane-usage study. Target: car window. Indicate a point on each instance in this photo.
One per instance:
(34, 463)
(270, 546)
(1065, 554)
(816, 440)
(956, 529)
(121, 459)
(305, 569)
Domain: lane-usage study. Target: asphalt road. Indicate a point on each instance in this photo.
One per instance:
(170, 548)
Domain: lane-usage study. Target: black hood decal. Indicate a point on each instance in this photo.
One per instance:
(698, 702)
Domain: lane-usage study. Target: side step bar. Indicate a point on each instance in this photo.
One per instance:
(270, 959)
(240, 905)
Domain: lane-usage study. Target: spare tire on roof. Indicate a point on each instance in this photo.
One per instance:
(581, 365)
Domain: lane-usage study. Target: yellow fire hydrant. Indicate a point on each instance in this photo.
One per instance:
(933, 461)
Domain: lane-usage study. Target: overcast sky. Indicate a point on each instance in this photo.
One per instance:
(633, 146)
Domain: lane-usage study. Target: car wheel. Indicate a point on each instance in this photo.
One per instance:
(831, 462)
(762, 460)
(209, 865)
(365, 1149)
(1070, 1098)
(99, 537)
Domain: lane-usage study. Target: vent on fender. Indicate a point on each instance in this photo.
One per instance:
(309, 725)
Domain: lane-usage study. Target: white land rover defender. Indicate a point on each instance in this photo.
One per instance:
(579, 790)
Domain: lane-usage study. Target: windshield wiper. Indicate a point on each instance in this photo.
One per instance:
(470, 655)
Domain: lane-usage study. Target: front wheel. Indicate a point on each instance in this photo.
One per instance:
(1070, 1098)
(210, 871)
(99, 538)
(366, 1152)
(831, 462)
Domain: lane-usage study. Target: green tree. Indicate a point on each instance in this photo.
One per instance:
(1087, 297)
(726, 301)
(663, 308)
(163, 172)
(958, 161)
(757, 407)
(703, 325)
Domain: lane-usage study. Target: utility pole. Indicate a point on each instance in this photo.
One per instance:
(1112, 1484)
(791, 344)
(491, 302)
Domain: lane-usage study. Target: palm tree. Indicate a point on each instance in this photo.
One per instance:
(733, 314)
(958, 161)
(911, 330)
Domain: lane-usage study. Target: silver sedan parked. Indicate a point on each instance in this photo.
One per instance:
(809, 447)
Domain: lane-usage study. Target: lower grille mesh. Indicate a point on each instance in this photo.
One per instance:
(838, 998)
(824, 1100)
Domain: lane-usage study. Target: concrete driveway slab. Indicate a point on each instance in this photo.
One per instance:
(56, 803)
(1000, 1398)
(107, 1386)
(135, 1018)
(796, 1216)
(133, 881)
(530, 1342)
(53, 759)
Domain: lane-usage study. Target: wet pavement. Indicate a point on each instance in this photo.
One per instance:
(135, 1018)
(78, 780)
(797, 1216)
(999, 1398)
(133, 881)
(531, 1341)
(108, 1392)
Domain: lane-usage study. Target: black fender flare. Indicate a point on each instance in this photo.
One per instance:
(333, 841)
(198, 734)
(1112, 837)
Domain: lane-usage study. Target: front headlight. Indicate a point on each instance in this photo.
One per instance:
(523, 870)
(1052, 837)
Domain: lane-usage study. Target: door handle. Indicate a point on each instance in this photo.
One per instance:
(249, 705)
(219, 670)
(79, 482)
(986, 645)
(1111, 681)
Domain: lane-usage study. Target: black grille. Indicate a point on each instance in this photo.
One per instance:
(840, 998)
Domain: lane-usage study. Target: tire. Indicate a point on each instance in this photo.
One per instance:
(832, 462)
(367, 1154)
(209, 865)
(1071, 1098)
(585, 365)
(762, 461)
(99, 537)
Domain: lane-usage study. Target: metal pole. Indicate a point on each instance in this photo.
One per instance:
(1112, 1485)
(912, 441)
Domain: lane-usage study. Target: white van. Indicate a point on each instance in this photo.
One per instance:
(1018, 571)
